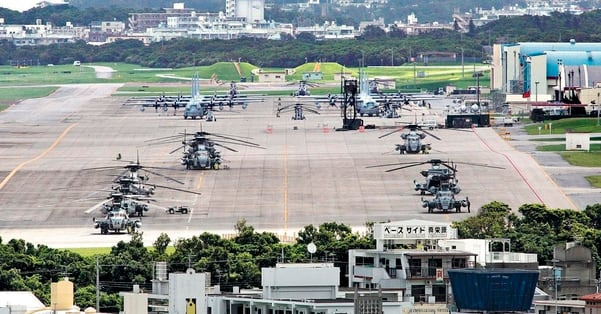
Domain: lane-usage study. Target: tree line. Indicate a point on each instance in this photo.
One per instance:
(374, 48)
(238, 261)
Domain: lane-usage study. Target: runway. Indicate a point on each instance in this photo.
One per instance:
(308, 173)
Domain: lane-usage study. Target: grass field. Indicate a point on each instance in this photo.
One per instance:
(561, 139)
(560, 126)
(594, 181)
(583, 159)
(407, 77)
(8, 96)
(68, 74)
(562, 147)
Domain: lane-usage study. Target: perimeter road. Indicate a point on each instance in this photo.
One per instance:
(40, 156)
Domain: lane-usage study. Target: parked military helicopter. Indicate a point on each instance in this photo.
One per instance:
(200, 151)
(303, 88)
(132, 189)
(444, 200)
(441, 173)
(297, 108)
(412, 140)
(116, 221)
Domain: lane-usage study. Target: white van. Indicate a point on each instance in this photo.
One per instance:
(430, 124)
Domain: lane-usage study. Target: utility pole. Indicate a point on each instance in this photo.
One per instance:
(462, 64)
(97, 285)
(598, 107)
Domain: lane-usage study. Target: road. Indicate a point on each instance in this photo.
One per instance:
(308, 173)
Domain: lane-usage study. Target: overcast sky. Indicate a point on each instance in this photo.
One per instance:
(22, 5)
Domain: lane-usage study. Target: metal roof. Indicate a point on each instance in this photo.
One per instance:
(25, 298)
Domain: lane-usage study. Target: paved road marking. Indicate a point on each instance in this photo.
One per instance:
(198, 186)
(285, 188)
(512, 165)
(524, 178)
(40, 156)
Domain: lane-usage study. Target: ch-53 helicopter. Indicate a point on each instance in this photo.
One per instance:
(132, 192)
(116, 221)
(200, 151)
(412, 140)
(297, 108)
(444, 200)
(440, 174)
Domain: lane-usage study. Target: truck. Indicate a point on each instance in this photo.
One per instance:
(430, 124)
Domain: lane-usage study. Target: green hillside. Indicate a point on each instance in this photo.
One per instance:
(328, 69)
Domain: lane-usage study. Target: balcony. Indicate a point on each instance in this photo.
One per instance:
(427, 273)
(386, 280)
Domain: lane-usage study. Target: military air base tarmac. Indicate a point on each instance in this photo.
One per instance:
(308, 173)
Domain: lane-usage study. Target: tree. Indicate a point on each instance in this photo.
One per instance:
(161, 243)
(471, 27)
(305, 37)
(493, 220)
(373, 32)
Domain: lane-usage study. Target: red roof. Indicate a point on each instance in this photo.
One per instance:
(591, 297)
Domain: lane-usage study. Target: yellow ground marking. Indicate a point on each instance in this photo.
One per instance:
(199, 183)
(286, 188)
(198, 186)
(38, 157)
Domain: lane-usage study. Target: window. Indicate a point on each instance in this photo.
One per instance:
(458, 263)
(439, 292)
(418, 292)
(399, 263)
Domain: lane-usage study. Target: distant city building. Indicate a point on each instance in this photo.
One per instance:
(41, 34)
(411, 27)
(329, 30)
(139, 22)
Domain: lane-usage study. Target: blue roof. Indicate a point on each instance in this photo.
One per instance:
(498, 290)
(575, 58)
(534, 48)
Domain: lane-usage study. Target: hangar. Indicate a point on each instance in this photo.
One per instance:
(546, 71)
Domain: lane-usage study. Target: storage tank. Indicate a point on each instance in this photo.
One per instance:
(493, 290)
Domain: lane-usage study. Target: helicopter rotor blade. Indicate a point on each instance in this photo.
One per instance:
(95, 207)
(403, 167)
(235, 139)
(228, 148)
(176, 189)
(412, 163)
(175, 150)
(312, 110)
(389, 133)
(432, 135)
(164, 176)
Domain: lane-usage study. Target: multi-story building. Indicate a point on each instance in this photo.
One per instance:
(541, 71)
(329, 30)
(41, 34)
(101, 30)
(414, 257)
(139, 22)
